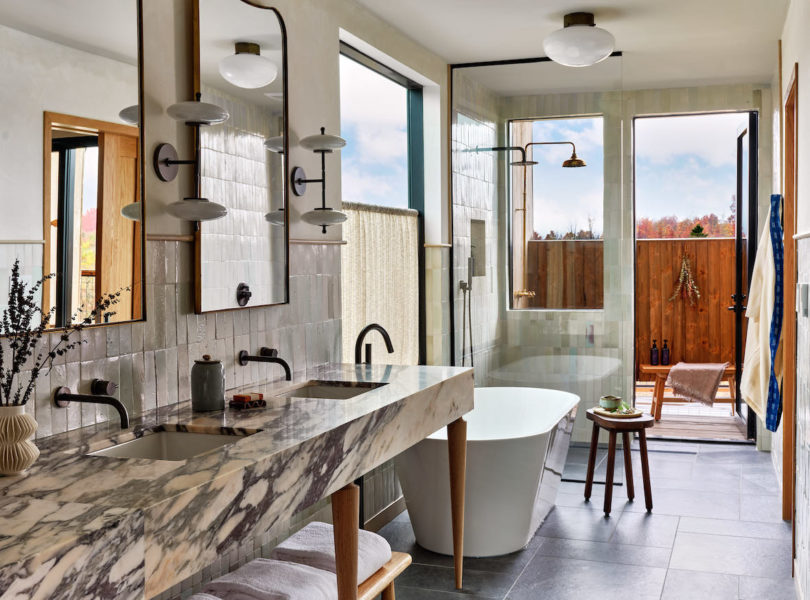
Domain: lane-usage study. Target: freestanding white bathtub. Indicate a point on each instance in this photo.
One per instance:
(517, 443)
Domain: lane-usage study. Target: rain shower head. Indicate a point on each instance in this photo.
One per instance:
(523, 163)
(574, 162)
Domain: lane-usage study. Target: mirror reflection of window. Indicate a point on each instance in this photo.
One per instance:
(72, 87)
(93, 248)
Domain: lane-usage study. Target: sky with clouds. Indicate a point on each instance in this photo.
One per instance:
(375, 159)
(686, 166)
(564, 199)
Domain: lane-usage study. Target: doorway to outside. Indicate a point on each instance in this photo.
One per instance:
(695, 238)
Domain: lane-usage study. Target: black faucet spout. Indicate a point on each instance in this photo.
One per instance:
(266, 355)
(63, 397)
(358, 346)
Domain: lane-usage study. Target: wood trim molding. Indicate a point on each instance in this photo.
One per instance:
(386, 515)
(438, 245)
(790, 164)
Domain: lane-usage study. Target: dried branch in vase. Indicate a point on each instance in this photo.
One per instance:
(23, 326)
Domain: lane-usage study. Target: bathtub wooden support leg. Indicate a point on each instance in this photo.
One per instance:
(628, 466)
(611, 460)
(591, 461)
(345, 508)
(457, 447)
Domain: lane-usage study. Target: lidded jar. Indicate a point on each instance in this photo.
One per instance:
(207, 384)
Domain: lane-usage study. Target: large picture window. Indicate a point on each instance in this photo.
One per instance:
(557, 214)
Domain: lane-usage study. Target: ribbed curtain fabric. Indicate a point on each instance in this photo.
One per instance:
(380, 281)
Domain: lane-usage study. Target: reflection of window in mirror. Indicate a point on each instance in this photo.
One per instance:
(92, 247)
(59, 62)
(557, 215)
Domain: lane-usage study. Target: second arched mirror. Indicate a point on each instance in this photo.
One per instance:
(242, 259)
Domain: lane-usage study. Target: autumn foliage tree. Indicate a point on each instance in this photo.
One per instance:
(672, 227)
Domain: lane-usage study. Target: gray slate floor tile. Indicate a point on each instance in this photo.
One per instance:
(573, 579)
(646, 529)
(681, 585)
(751, 529)
(757, 588)
(478, 583)
(731, 555)
(609, 552)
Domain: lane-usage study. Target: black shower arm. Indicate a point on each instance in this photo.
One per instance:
(502, 149)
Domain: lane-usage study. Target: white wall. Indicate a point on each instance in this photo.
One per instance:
(39, 75)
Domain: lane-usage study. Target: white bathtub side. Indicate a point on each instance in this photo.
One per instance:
(511, 486)
(503, 478)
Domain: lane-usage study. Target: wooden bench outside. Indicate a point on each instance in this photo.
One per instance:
(661, 373)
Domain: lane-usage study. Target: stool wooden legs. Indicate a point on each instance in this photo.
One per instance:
(611, 460)
(645, 469)
(457, 446)
(388, 593)
(591, 461)
(628, 466)
(345, 508)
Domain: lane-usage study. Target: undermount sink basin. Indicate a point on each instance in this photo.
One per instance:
(331, 390)
(169, 445)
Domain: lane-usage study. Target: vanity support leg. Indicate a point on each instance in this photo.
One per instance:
(457, 446)
(345, 507)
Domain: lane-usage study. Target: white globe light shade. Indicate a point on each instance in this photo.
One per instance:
(323, 217)
(579, 45)
(247, 70)
(196, 209)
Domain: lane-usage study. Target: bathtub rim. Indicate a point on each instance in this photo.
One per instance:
(440, 435)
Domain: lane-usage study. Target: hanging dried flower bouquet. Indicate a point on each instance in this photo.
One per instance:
(686, 287)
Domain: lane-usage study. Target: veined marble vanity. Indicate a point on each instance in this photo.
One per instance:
(81, 526)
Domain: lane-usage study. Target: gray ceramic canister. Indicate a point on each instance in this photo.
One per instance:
(207, 384)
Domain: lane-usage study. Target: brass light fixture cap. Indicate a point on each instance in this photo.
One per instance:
(248, 48)
(579, 18)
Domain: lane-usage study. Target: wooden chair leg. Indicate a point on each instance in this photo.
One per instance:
(457, 447)
(660, 403)
(591, 461)
(389, 593)
(628, 466)
(655, 396)
(645, 469)
(611, 460)
(345, 508)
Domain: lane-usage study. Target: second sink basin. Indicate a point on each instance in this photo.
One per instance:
(334, 390)
(169, 445)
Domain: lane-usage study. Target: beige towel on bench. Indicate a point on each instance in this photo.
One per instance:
(697, 382)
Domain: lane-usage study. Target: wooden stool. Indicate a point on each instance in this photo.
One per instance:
(661, 373)
(626, 427)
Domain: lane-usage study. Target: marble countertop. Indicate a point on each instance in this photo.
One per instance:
(183, 514)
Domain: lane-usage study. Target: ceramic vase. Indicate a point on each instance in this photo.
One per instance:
(17, 451)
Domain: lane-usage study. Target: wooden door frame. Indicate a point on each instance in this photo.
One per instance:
(791, 122)
(79, 125)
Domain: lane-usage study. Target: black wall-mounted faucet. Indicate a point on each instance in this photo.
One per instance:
(266, 355)
(101, 392)
(358, 346)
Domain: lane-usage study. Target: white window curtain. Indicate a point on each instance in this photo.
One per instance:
(380, 280)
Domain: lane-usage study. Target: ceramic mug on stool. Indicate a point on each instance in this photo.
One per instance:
(610, 402)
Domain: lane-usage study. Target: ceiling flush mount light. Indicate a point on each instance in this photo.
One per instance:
(579, 43)
(247, 68)
(167, 164)
(323, 144)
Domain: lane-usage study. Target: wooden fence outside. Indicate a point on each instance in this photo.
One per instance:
(700, 333)
(565, 274)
